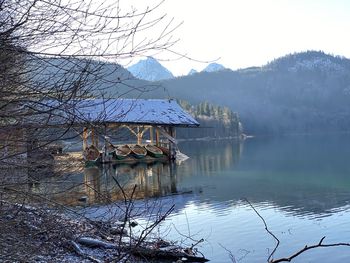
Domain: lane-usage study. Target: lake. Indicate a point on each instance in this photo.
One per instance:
(300, 185)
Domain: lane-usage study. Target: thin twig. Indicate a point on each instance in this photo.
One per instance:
(267, 230)
(232, 257)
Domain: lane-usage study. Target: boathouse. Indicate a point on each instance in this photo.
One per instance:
(155, 119)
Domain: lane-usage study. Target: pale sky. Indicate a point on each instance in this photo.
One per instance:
(244, 33)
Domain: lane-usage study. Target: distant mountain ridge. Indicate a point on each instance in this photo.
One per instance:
(311, 60)
(213, 67)
(192, 71)
(150, 69)
(100, 78)
(301, 92)
(297, 93)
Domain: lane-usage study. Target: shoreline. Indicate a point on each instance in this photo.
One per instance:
(65, 239)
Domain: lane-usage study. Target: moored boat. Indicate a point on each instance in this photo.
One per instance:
(91, 155)
(122, 151)
(164, 150)
(154, 151)
(138, 151)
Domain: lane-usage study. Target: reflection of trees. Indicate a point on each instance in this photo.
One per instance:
(300, 176)
(93, 184)
(153, 180)
(273, 173)
(210, 156)
(96, 184)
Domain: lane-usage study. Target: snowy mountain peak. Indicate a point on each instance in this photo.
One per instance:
(192, 71)
(212, 67)
(150, 69)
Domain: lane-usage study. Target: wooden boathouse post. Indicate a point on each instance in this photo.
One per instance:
(157, 137)
(94, 137)
(172, 149)
(85, 136)
(139, 136)
(92, 134)
(151, 134)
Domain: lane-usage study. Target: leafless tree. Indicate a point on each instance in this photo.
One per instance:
(54, 53)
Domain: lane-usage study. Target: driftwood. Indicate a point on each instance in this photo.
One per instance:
(165, 254)
(140, 251)
(81, 253)
(92, 242)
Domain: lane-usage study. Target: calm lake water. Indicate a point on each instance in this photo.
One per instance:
(299, 184)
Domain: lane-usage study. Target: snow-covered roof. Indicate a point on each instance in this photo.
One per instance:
(133, 111)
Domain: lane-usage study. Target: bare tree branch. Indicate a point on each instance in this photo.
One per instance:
(306, 248)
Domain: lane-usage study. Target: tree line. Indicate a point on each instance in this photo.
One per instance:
(215, 121)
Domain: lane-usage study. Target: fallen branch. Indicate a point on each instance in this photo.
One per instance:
(92, 242)
(81, 253)
(306, 248)
(134, 250)
(151, 253)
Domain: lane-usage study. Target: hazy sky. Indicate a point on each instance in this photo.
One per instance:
(244, 33)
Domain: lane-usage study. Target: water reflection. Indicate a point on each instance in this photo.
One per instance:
(299, 175)
(302, 175)
(77, 186)
(300, 185)
(152, 180)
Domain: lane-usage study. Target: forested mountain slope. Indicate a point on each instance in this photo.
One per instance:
(302, 92)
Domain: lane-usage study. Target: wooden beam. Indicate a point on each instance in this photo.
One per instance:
(139, 135)
(172, 144)
(139, 138)
(113, 125)
(157, 138)
(166, 134)
(85, 136)
(97, 139)
(145, 128)
(130, 129)
(151, 134)
(93, 136)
